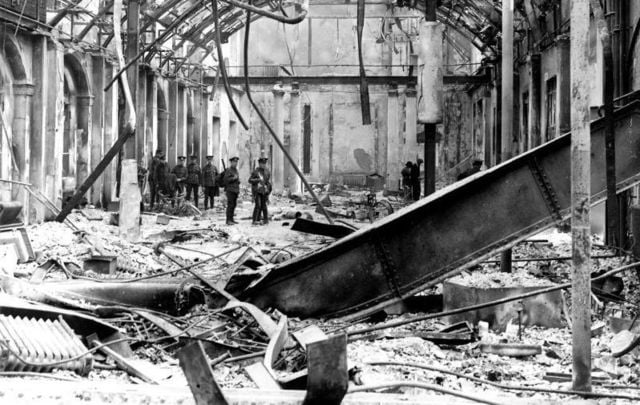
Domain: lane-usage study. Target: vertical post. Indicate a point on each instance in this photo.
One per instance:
(295, 140)
(506, 113)
(97, 125)
(278, 118)
(129, 220)
(431, 82)
(394, 164)
(38, 124)
(23, 94)
(580, 193)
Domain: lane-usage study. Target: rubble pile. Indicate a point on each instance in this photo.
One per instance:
(179, 289)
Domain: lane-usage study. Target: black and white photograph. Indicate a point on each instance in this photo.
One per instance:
(319, 202)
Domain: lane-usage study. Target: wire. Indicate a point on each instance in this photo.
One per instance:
(398, 384)
(274, 136)
(406, 321)
(222, 68)
(280, 18)
(34, 374)
(503, 386)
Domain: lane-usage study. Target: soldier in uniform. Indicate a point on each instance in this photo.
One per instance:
(194, 178)
(181, 173)
(209, 174)
(260, 188)
(154, 185)
(231, 183)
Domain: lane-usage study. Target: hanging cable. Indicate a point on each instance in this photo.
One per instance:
(222, 68)
(266, 123)
(280, 18)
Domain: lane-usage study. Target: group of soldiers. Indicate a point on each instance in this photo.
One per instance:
(192, 176)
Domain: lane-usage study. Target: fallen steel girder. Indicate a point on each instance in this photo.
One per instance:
(453, 229)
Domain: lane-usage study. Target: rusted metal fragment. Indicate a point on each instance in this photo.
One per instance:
(319, 228)
(196, 368)
(438, 236)
(121, 361)
(328, 377)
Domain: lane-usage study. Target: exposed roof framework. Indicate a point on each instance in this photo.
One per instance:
(192, 24)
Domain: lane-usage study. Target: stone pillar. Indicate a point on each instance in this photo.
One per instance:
(97, 125)
(22, 94)
(295, 140)
(506, 136)
(535, 101)
(83, 161)
(141, 118)
(109, 135)
(277, 174)
(564, 86)
(203, 119)
(411, 146)
(181, 124)
(37, 140)
(163, 123)
(394, 147)
(172, 134)
(152, 117)
(55, 124)
(129, 224)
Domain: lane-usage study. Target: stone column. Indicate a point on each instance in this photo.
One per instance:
(506, 136)
(204, 118)
(109, 135)
(55, 124)
(563, 81)
(535, 101)
(22, 94)
(172, 134)
(83, 161)
(394, 146)
(411, 146)
(97, 125)
(130, 206)
(163, 123)
(38, 126)
(152, 117)
(295, 140)
(181, 123)
(141, 118)
(277, 174)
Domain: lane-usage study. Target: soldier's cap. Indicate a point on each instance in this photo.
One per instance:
(234, 158)
(263, 160)
(209, 157)
(181, 158)
(193, 156)
(159, 151)
(409, 163)
(477, 161)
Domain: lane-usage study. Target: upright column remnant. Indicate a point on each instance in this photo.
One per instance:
(580, 193)
(277, 174)
(393, 141)
(506, 114)
(129, 219)
(431, 86)
(295, 139)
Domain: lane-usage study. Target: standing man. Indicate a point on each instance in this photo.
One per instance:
(231, 183)
(181, 173)
(209, 174)
(407, 187)
(260, 188)
(194, 178)
(415, 179)
(154, 185)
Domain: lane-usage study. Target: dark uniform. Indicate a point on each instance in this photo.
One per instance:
(415, 180)
(260, 188)
(194, 178)
(231, 181)
(209, 174)
(406, 180)
(154, 186)
(181, 174)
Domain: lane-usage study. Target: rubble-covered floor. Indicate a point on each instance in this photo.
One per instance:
(207, 235)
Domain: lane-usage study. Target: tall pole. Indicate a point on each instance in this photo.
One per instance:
(430, 127)
(580, 192)
(506, 112)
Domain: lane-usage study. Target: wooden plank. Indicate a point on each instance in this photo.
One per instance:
(262, 377)
(196, 368)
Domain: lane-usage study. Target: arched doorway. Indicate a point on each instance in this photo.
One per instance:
(75, 137)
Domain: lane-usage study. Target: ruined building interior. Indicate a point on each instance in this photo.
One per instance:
(319, 201)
